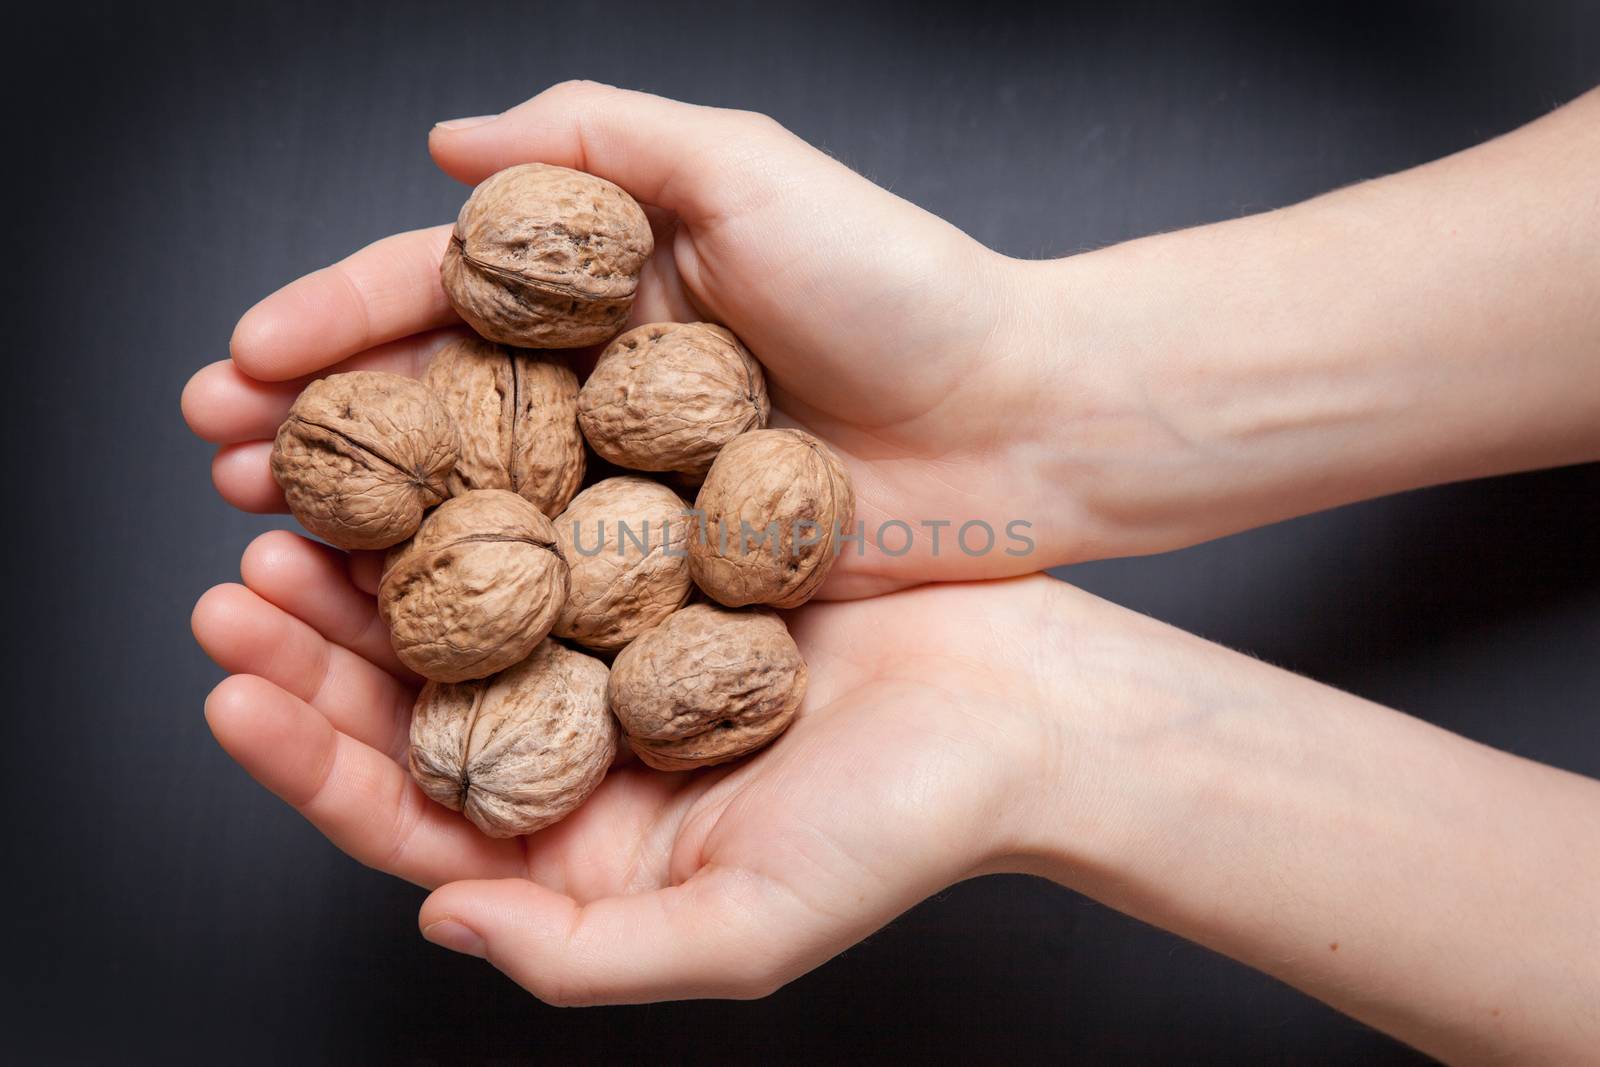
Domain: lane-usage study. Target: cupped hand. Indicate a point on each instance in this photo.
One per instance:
(907, 768)
(902, 342)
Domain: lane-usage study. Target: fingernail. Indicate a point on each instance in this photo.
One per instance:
(467, 123)
(447, 933)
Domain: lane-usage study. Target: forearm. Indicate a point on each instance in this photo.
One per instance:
(1437, 889)
(1439, 324)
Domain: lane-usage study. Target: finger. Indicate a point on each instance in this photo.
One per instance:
(245, 634)
(722, 933)
(361, 799)
(366, 568)
(845, 583)
(311, 582)
(662, 296)
(386, 291)
(224, 405)
(242, 473)
(699, 162)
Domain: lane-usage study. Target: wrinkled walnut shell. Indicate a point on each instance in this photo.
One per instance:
(622, 585)
(476, 589)
(766, 477)
(517, 413)
(518, 751)
(668, 396)
(707, 686)
(545, 257)
(362, 455)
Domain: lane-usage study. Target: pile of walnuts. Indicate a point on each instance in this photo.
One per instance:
(509, 584)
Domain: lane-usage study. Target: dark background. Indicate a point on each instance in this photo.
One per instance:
(169, 166)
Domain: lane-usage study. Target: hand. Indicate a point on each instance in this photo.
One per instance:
(1131, 400)
(885, 331)
(902, 773)
(951, 731)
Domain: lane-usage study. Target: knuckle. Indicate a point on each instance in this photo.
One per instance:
(323, 780)
(758, 122)
(759, 990)
(400, 740)
(407, 815)
(559, 993)
(578, 87)
(758, 978)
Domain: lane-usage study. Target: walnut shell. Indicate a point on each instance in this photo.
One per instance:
(623, 582)
(668, 396)
(708, 685)
(763, 482)
(476, 589)
(546, 257)
(362, 455)
(517, 413)
(520, 750)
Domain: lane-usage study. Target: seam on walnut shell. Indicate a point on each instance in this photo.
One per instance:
(508, 275)
(814, 578)
(479, 694)
(415, 477)
(470, 539)
(516, 416)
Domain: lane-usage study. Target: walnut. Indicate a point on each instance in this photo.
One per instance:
(362, 456)
(668, 396)
(626, 542)
(708, 685)
(516, 410)
(772, 511)
(476, 589)
(545, 257)
(518, 751)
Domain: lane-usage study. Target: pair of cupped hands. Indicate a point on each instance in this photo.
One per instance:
(941, 684)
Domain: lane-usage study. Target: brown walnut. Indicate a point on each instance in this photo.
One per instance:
(517, 413)
(624, 580)
(520, 750)
(476, 589)
(772, 511)
(545, 257)
(668, 396)
(362, 455)
(708, 685)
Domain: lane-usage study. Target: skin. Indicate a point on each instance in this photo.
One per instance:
(1131, 400)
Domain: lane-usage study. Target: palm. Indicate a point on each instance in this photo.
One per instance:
(869, 802)
(891, 350)
(844, 788)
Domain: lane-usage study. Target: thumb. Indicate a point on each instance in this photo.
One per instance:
(699, 162)
(723, 933)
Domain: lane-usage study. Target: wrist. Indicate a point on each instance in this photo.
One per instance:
(1113, 419)
(1072, 414)
(1215, 383)
(1103, 757)
(1141, 733)
(1260, 394)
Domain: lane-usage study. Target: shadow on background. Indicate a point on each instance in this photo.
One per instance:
(1340, 595)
